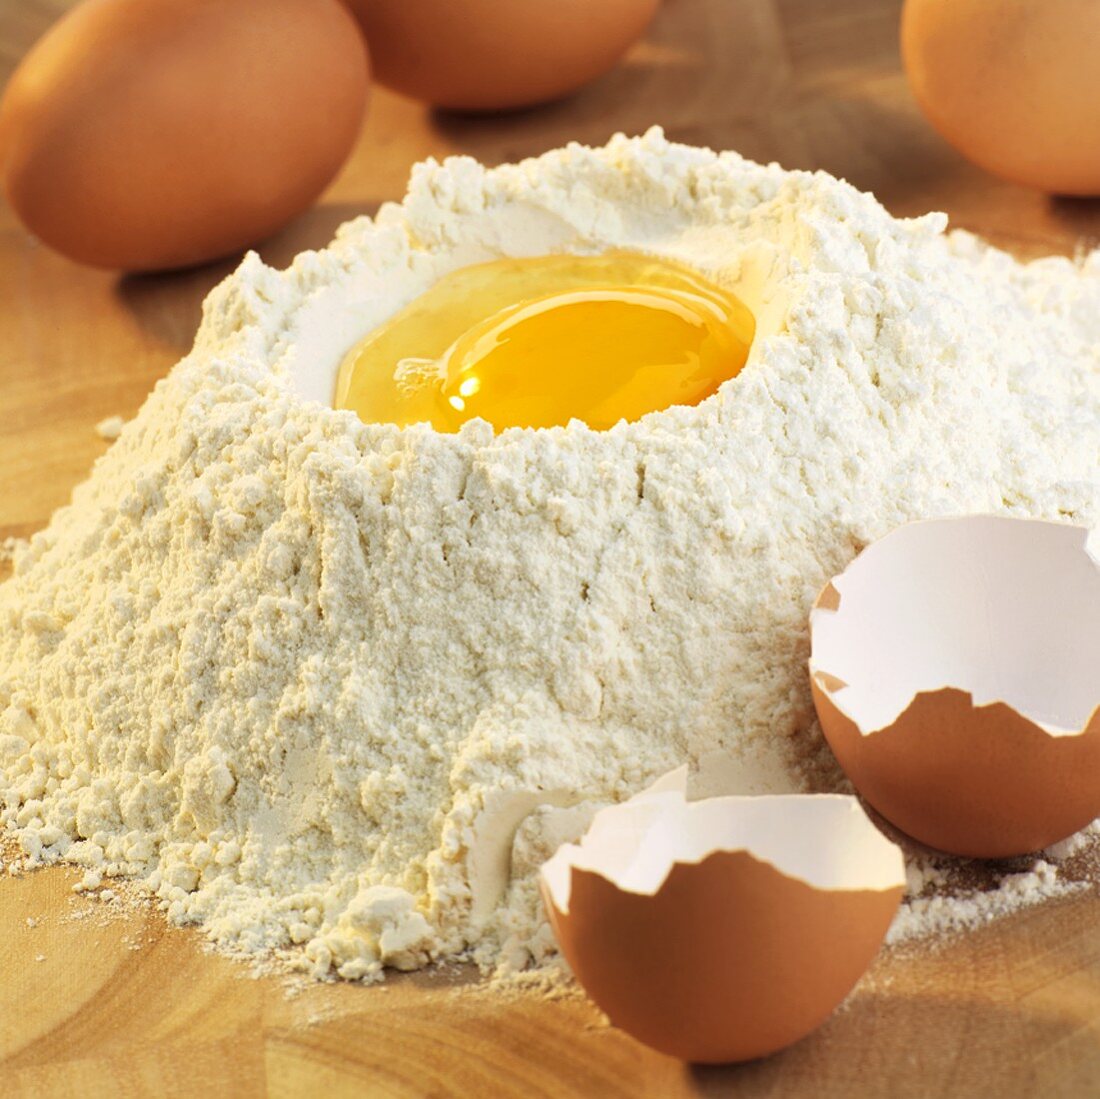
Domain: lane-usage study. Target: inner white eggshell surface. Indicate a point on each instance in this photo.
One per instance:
(824, 840)
(1005, 609)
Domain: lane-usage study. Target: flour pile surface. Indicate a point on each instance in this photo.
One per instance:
(315, 683)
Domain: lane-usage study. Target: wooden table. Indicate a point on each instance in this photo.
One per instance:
(92, 1006)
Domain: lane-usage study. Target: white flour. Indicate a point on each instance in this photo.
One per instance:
(304, 677)
(110, 428)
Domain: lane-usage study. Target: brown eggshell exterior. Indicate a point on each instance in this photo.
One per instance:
(728, 961)
(978, 781)
(1012, 84)
(147, 135)
(486, 55)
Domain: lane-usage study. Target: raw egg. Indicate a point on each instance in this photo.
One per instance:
(1013, 84)
(536, 342)
(723, 929)
(495, 54)
(954, 669)
(144, 135)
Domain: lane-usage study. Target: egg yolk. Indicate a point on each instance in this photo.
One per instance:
(540, 341)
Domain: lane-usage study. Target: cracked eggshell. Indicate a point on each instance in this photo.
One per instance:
(724, 929)
(954, 668)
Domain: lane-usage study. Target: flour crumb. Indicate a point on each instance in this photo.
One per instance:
(92, 880)
(110, 428)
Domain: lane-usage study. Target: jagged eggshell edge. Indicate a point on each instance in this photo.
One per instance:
(727, 929)
(973, 777)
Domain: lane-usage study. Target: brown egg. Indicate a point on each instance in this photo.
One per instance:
(485, 55)
(145, 135)
(954, 672)
(1014, 85)
(723, 929)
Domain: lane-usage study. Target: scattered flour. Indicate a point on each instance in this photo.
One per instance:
(110, 428)
(305, 678)
(948, 910)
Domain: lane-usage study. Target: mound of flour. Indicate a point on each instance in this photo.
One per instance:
(335, 689)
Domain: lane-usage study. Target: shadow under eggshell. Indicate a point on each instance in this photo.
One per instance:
(980, 781)
(728, 961)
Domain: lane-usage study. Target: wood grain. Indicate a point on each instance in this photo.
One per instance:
(121, 1006)
(94, 1004)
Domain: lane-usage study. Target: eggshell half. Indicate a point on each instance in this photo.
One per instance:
(725, 929)
(954, 669)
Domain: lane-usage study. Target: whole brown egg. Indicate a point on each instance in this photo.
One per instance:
(1014, 85)
(483, 55)
(147, 135)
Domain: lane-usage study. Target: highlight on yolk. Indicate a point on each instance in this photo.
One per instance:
(537, 342)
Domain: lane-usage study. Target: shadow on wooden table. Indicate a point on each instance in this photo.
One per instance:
(1080, 216)
(922, 1045)
(168, 305)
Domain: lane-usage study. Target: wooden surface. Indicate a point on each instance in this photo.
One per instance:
(92, 1006)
